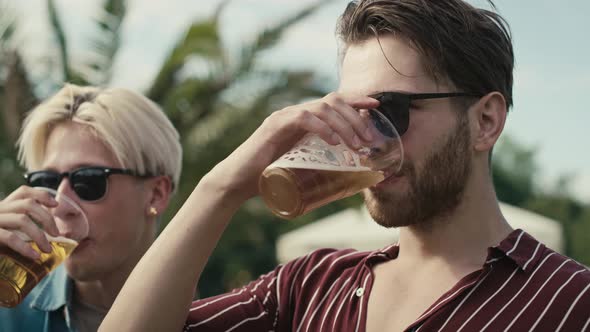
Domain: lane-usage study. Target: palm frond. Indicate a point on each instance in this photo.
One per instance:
(18, 96)
(60, 36)
(269, 37)
(107, 41)
(201, 39)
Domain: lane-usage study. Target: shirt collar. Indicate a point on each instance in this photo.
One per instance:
(388, 253)
(520, 247)
(54, 292)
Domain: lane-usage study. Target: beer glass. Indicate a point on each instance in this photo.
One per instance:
(19, 274)
(314, 173)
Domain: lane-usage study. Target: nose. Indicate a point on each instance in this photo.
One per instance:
(69, 217)
(64, 196)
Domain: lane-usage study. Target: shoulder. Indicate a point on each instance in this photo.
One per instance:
(319, 271)
(323, 261)
(565, 267)
(21, 317)
(30, 315)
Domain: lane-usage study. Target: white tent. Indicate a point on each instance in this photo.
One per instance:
(354, 228)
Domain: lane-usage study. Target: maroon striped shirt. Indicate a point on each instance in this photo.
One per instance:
(522, 286)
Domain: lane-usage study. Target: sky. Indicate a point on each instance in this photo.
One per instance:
(552, 51)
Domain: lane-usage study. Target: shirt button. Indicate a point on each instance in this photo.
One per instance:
(360, 291)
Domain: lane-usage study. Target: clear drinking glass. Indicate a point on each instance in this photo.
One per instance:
(314, 173)
(19, 274)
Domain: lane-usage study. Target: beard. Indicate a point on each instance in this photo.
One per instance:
(435, 191)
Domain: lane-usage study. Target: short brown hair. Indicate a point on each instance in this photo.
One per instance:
(469, 46)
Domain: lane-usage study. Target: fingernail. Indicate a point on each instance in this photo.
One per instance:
(47, 248)
(356, 141)
(33, 254)
(335, 138)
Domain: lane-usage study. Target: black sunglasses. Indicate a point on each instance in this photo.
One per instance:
(396, 105)
(89, 183)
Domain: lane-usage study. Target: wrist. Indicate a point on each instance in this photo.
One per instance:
(222, 190)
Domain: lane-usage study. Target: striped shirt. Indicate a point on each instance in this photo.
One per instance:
(522, 286)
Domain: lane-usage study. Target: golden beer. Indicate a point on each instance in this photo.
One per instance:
(19, 274)
(291, 192)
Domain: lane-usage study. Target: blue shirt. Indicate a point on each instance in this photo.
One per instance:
(46, 309)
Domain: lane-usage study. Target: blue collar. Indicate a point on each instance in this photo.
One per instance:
(53, 292)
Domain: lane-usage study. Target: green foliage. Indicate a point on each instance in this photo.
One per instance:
(215, 110)
(514, 167)
(516, 177)
(216, 101)
(97, 70)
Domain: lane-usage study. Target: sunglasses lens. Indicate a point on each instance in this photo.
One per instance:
(44, 179)
(89, 184)
(397, 109)
(382, 124)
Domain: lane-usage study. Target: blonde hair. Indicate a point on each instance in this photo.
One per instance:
(135, 129)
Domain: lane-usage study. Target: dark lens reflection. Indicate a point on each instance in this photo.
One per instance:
(381, 124)
(89, 184)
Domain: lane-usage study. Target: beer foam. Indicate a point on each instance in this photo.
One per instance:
(61, 239)
(312, 153)
(27, 238)
(306, 165)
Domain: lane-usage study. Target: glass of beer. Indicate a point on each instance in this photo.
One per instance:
(314, 173)
(20, 274)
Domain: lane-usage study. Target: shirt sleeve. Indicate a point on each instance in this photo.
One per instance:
(253, 307)
(266, 304)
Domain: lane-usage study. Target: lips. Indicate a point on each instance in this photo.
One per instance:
(82, 244)
(391, 177)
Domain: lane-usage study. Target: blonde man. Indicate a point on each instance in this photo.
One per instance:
(442, 73)
(118, 156)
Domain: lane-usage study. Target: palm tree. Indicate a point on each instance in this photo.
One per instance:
(217, 110)
(15, 98)
(232, 96)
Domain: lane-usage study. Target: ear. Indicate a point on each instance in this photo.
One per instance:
(490, 116)
(158, 196)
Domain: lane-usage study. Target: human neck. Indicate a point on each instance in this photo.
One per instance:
(102, 292)
(98, 293)
(461, 238)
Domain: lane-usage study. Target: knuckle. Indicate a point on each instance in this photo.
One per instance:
(12, 238)
(324, 107)
(325, 127)
(303, 117)
(272, 119)
(23, 218)
(29, 202)
(332, 96)
(350, 128)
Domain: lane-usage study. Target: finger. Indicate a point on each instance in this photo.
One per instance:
(36, 212)
(37, 235)
(359, 123)
(39, 195)
(309, 122)
(43, 197)
(337, 122)
(14, 242)
(359, 101)
(41, 215)
(13, 222)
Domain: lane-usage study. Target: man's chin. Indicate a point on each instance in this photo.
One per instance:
(78, 267)
(78, 272)
(387, 208)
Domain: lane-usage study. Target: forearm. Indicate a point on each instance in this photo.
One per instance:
(159, 291)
